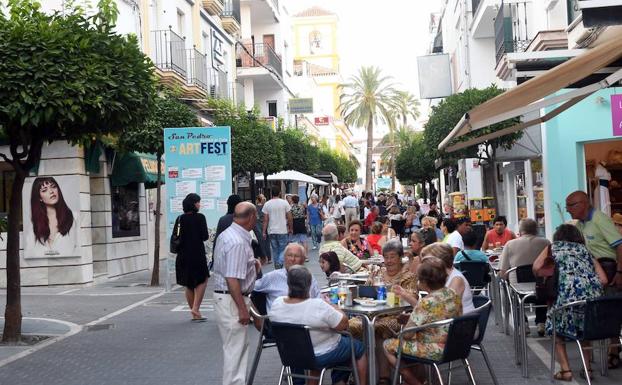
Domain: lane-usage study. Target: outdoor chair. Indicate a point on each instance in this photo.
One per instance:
(259, 313)
(296, 351)
(460, 338)
(476, 273)
(602, 321)
(483, 307)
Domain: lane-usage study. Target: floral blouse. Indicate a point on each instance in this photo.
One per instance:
(430, 343)
(363, 251)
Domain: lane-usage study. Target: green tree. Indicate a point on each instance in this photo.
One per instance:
(166, 111)
(366, 100)
(391, 144)
(403, 106)
(67, 77)
(415, 162)
(300, 155)
(444, 117)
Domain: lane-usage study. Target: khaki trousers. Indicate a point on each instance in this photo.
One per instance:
(351, 215)
(234, 339)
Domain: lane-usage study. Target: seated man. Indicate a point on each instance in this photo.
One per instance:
(499, 235)
(274, 283)
(469, 253)
(523, 251)
(331, 349)
(331, 243)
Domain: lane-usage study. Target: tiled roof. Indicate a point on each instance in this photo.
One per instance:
(314, 11)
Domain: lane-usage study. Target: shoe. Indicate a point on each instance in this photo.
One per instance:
(562, 375)
(200, 319)
(540, 327)
(306, 259)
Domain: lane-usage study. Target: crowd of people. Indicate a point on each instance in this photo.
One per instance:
(422, 251)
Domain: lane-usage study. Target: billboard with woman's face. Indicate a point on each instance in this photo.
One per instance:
(51, 209)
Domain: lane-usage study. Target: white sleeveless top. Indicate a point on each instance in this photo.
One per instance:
(467, 296)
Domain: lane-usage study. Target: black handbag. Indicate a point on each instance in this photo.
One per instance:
(175, 237)
(546, 287)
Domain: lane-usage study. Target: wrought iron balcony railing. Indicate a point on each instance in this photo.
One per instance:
(232, 9)
(169, 52)
(260, 54)
(197, 74)
(511, 28)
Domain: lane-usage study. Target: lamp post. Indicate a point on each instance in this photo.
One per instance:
(373, 175)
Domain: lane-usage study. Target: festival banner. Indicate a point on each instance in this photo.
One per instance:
(198, 160)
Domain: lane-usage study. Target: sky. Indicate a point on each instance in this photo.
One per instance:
(389, 34)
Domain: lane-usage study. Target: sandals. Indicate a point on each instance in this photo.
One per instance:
(614, 361)
(561, 375)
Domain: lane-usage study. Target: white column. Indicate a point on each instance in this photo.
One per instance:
(245, 22)
(249, 93)
(531, 207)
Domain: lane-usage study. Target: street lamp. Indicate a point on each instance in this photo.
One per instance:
(373, 175)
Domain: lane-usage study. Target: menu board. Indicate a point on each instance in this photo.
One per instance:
(198, 160)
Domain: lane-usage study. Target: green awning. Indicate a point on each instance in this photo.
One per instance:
(136, 167)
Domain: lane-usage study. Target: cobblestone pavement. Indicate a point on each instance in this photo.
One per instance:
(132, 334)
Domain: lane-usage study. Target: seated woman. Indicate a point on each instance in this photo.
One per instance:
(455, 279)
(331, 349)
(356, 244)
(329, 263)
(371, 218)
(392, 274)
(395, 214)
(429, 222)
(417, 243)
(441, 303)
(375, 239)
(580, 277)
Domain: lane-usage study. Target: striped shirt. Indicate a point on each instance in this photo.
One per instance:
(234, 258)
(274, 284)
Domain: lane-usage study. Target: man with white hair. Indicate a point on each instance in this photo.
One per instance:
(331, 243)
(274, 283)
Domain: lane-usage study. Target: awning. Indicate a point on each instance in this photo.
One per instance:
(136, 167)
(295, 176)
(326, 176)
(532, 96)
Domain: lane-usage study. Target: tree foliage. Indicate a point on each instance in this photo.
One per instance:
(63, 76)
(300, 154)
(415, 162)
(444, 117)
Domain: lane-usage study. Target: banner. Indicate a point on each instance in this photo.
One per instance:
(198, 160)
(51, 213)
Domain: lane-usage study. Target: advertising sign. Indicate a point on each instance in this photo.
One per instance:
(51, 214)
(383, 183)
(300, 105)
(321, 120)
(198, 160)
(616, 114)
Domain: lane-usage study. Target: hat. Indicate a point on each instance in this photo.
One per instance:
(617, 218)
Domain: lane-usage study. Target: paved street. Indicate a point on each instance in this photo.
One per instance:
(154, 342)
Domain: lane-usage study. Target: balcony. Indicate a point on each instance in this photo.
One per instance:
(259, 55)
(511, 32)
(219, 88)
(169, 56)
(213, 7)
(484, 12)
(198, 80)
(231, 16)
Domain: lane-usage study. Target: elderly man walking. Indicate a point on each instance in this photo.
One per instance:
(351, 206)
(604, 241)
(235, 269)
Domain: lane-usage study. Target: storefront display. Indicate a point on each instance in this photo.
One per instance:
(458, 202)
(482, 209)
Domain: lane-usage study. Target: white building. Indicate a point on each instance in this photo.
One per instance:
(263, 59)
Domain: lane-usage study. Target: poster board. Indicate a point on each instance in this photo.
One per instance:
(198, 160)
(51, 216)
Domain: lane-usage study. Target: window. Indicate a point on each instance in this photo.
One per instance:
(272, 109)
(180, 22)
(125, 214)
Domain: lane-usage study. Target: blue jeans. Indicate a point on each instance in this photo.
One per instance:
(278, 242)
(316, 234)
(340, 356)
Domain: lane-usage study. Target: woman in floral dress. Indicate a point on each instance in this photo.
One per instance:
(355, 243)
(441, 303)
(580, 277)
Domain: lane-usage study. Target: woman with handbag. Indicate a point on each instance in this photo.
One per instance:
(577, 276)
(189, 232)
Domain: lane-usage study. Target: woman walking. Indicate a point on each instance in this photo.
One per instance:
(191, 264)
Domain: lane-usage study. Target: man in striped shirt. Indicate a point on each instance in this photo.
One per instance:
(235, 270)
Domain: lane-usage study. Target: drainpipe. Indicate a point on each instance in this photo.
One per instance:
(467, 54)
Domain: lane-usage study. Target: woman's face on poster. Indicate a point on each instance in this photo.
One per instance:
(49, 193)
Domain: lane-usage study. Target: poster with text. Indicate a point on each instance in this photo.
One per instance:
(198, 161)
(51, 214)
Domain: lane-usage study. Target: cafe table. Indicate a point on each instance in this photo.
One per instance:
(369, 315)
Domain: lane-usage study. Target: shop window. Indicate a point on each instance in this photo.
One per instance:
(125, 214)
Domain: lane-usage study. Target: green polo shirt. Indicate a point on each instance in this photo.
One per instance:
(601, 236)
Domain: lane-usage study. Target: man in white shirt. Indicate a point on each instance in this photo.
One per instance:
(351, 206)
(277, 224)
(463, 225)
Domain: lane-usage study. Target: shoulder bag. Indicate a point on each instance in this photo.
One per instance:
(175, 237)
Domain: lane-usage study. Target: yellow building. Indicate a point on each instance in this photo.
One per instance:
(316, 73)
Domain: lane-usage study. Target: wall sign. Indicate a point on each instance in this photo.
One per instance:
(616, 114)
(217, 51)
(321, 120)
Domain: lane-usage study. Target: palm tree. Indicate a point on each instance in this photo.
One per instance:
(403, 106)
(390, 145)
(366, 100)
